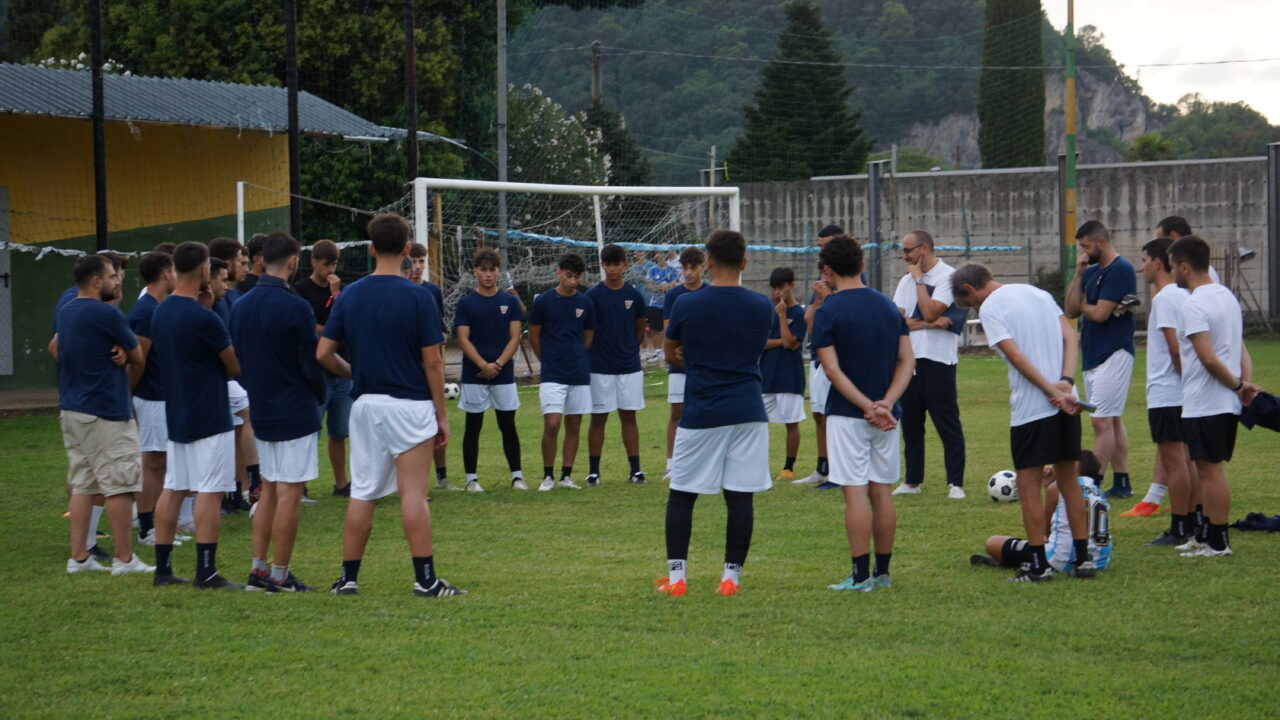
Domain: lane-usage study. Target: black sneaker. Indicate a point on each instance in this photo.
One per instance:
(99, 554)
(289, 584)
(344, 587)
(168, 579)
(637, 477)
(1084, 571)
(260, 580)
(983, 559)
(1168, 538)
(240, 503)
(216, 582)
(593, 479)
(1028, 576)
(1118, 491)
(439, 589)
(344, 491)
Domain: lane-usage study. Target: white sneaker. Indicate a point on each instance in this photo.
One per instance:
(1190, 546)
(444, 484)
(474, 486)
(905, 489)
(518, 484)
(149, 540)
(179, 538)
(135, 565)
(567, 482)
(1206, 550)
(813, 479)
(548, 482)
(187, 527)
(86, 566)
(666, 475)
(956, 492)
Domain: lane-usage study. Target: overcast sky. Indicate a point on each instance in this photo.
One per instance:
(1158, 31)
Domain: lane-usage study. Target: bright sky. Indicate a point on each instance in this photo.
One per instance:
(1160, 31)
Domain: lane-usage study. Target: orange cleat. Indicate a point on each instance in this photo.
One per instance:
(728, 587)
(785, 475)
(667, 587)
(1143, 509)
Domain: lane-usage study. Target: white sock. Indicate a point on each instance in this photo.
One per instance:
(517, 475)
(1155, 494)
(259, 564)
(279, 572)
(471, 477)
(731, 571)
(94, 516)
(675, 570)
(186, 516)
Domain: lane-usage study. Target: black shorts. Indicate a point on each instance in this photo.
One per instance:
(654, 314)
(1213, 438)
(1045, 441)
(1166, 424)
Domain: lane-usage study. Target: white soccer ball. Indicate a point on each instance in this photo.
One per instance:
(1003, 486)
(451, 391)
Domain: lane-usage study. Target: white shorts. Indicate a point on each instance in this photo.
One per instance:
(207, 465)
(1107, 384)
(289, 461)
(675, 387)
(860, 453)
(819, 387)
(617, 392)
(153, 429)
(238, 399)
(564, 399)
(784, 407)
(383, 427)
(477, 398)
(733, 457)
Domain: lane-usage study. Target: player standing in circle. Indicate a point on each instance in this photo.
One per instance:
(782, 364)
(722, 444)
(487, 325)
(276, 333)
(197, 358)
(156, 269)
(692, 263)
(662, 275)
(1029, 330)
(247, 279)
(98, 431)
(924, 297)
(392, 329)
(862, 342)
(1216, 369)
(617, 380)
(819, 385)
(1102, 294)
(562, 326)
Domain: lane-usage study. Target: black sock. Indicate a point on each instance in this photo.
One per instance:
(634, 462)
(566, 471)
(424, 571)
(548, 471)
(861, 567)
(255, 476)
(882, 563)
(1202, 525)
(1082, 551)
(146, 523)
(206, 560)
(1120, 479)
(1217, 536)
(823, 469)
(441, 472)
(1178, 525)
(594, 462)
(163, 565)
(791, 463)
(350, 569)
(1039, 562)
(1199, 515)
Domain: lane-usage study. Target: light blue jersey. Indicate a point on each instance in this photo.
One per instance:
(1059, 548)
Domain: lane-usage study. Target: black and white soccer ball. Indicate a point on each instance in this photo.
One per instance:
(452, 391)
(1003, 486)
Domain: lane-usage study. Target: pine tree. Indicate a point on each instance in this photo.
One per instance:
(627, 163)
(1011, 102)
(801, 123)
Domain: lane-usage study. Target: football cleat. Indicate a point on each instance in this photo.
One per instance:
(1028, 576)
(826, 485)
(1190, 545)
(290, 584)
(474, 486)
(593, 479)
(813, 479)
(673, 589)
(1142, 509)
(344, 587)
(881, 581)
(983, 559)
(1168, 538)
(135, 565)
(99, 554)
(167, 579)
(260, 580)
(548, 483)
(567, 482)
(439, 589)
(637, 477)
(1084, 571)
(519, 484)
(88, 564)
(217, 582)
(1118, 491)
(1208, 551)
(728, 587)
(787, 475)
(848, 584)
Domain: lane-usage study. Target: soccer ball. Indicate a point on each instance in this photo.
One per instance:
(1003, 486)
(451, 391)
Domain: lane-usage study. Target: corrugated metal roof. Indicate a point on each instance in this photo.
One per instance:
(32, 90)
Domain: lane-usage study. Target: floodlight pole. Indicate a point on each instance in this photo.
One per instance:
(410, 90)
(1273, 229)
(99, 125)
(502, 126)
(1069, 170)
(291, 83)
(240, 212)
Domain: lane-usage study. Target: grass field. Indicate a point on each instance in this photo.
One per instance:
(562, 619)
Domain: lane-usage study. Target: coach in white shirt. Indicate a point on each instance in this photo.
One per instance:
(924, 299)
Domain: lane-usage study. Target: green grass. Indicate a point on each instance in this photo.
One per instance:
(562, 619)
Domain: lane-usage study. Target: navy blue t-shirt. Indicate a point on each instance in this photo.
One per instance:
(151, 385)
(88, 381)
(1099, 340)
(615, 350)
(782, 370)
(864, 327)
(232, 295)
(667, 304)
(723, 330)
(274, 332)
(222, 309)
(385, 321)
(189, 338)
(67, 296)
(564, 322)
(489, 320)
(438, 295)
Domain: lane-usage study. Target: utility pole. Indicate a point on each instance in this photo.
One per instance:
(1069, 172)
(502, 126)
(99, 124)
(410, 90)
(291, 83)
(597, 72)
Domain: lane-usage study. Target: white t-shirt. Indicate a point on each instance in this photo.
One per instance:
(1215, 310)
(1164, 384)
(930, 344)
(1028, 316)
